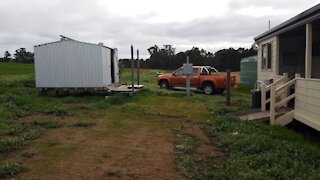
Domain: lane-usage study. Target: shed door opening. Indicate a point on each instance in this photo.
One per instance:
(112, 67)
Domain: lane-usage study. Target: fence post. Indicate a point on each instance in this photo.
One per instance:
(132, 71)
(272, 105)
(263, 97)
(228, 87)
(138, 67)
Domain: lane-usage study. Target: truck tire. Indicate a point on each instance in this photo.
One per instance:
(208, 88)
(164, 84)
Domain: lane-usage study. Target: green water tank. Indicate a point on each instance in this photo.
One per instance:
(248, 71)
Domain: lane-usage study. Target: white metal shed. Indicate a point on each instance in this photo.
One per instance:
(73, 64)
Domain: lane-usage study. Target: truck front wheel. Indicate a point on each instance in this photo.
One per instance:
(208, 88)
(164, 84)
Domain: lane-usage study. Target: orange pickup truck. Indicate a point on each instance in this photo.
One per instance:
(204, 78)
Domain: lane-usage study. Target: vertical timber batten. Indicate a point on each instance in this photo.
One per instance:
(308, 57)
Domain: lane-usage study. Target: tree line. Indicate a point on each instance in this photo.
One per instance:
(166, 58)
(20, 56)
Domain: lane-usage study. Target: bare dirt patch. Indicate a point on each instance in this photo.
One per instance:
(205, 147)
(99, 153)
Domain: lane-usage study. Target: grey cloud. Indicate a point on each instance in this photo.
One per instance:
(39, 21)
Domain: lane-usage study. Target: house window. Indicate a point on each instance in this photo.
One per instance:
(266, 57)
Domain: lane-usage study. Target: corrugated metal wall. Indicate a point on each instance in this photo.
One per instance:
(116, 66)
(72, 64)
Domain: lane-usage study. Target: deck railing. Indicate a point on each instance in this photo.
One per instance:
(266, 88)
(274, 105)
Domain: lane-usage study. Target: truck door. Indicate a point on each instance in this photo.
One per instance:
(195, 78)
(178, 79)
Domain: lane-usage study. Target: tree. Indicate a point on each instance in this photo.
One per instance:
(7, 56)
(166, 58)
(23, 56)
(153, 49)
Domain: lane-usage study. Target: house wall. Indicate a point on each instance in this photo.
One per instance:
(68, 64)
(307, 107)
(269, 74)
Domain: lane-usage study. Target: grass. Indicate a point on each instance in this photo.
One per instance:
(254, 150)
(8, 169)
(260, 151)
(186, 160)
(8, 145)
(49, 124)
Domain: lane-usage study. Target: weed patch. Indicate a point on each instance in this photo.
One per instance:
(47, 124)
(58, 111)
(7, 145)
(8, 169)
(186, 160)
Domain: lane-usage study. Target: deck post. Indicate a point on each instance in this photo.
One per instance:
(286, 91)
(308, 56)
(273, 105)
(263, 97)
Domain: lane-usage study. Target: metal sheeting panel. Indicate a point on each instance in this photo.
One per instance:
(248, 71)
(106, 65)
(116, 66)
(71, 64)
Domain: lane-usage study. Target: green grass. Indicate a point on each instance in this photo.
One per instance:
(254, 150)
(8, 145)
(16, 69)
(260, 151)
(186, 160)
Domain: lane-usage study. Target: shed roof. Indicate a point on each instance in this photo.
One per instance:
(302, 18)
(63, 39)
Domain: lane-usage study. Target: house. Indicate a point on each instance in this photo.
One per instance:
(289, 69)
(73, 64)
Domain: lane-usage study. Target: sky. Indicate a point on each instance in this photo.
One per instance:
(207, 24)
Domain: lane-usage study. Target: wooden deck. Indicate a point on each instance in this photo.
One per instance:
(126, 88)
(257, 115)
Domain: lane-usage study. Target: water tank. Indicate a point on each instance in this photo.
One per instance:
(248, 71)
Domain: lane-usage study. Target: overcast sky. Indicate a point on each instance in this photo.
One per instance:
(208, 24)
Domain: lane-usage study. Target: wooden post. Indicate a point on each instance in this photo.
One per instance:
(188, 80)
(263, 97)
(138, 67)
(132, 69)
(286, 91)
(272, 105)
(228, 87)
(308, 57)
